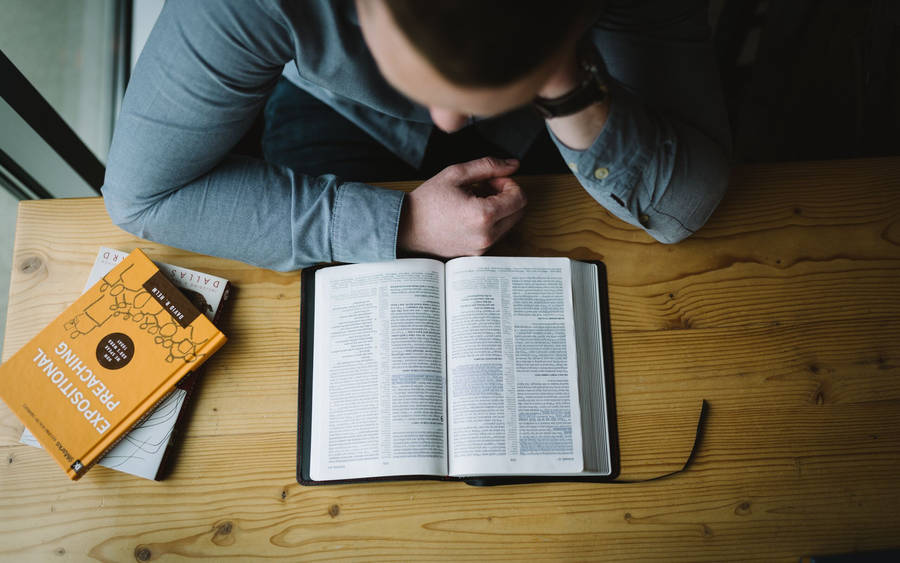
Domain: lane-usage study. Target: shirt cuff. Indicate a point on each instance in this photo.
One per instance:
(364, 223)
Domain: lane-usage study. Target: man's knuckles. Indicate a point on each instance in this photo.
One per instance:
(482, 168)
(516, 196)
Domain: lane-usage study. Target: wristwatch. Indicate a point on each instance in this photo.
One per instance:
(591, 89)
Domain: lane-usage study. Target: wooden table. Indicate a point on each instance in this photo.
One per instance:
(784, 313)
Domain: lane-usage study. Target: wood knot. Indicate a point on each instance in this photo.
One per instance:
(818, 395)
(706, 530)
(742, 509)
(628, 517)
(30, 264)
(334, 510)
(9, 459)
(283, 494)
(59, 551)
(222, 533)
(143, 553)
(681, 323)
(814, 368)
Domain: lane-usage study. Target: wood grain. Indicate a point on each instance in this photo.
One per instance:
(782, 313)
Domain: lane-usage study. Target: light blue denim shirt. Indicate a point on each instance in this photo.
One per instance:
(661, 161)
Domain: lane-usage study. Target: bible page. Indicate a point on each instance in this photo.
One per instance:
(378, 371)
(511, 366)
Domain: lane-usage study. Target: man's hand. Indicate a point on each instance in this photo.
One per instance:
(445, 217)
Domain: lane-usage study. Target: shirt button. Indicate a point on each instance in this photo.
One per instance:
(601, 173)
(644, 220)
(573, 167)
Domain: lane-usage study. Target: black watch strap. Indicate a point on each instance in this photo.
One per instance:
(590, 90)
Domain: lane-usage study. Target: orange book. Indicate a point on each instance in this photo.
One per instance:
(99, 367)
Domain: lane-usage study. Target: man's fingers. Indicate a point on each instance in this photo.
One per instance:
(503, 225)
(499, 183)
(481, 169)
(495, 214)
(508, 199)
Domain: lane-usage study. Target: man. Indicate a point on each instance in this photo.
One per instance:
(645, 133)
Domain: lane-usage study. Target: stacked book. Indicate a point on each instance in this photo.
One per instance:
(110, 379)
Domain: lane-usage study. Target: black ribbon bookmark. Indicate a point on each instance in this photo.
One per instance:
(704, 409)
(524, 479)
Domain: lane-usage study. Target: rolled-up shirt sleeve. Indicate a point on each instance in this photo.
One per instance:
(662, 160)
(202, 78)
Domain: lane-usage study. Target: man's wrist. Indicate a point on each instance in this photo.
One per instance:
(576, 123)
(579, 84)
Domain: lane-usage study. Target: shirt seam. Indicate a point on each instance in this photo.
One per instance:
(680, 224)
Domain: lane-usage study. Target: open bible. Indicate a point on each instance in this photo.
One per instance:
(486, 369)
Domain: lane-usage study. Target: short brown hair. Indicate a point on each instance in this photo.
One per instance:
(489, 42)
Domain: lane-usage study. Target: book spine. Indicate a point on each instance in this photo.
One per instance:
(188, 383)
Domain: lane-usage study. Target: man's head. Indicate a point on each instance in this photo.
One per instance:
(468, 57)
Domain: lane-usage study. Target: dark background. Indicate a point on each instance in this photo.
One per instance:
(810, 79)
(803, 79)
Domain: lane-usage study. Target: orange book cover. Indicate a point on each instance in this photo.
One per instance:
(99, 367)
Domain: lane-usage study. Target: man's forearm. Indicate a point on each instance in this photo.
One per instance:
(579, 130)
(647, 167)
